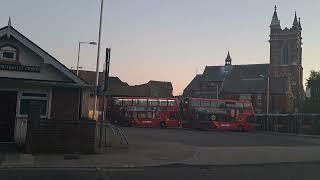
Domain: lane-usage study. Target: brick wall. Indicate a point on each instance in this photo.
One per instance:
(61, 136)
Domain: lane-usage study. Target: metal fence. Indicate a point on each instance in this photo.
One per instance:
(308, 124)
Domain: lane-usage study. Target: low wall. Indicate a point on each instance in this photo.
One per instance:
(58, 136)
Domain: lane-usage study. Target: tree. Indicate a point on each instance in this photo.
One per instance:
(312, 104)
(314, 75)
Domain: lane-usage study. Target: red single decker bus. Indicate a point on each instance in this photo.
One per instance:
(147, 112)
(217, 114)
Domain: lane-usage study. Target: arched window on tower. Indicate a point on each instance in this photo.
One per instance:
(285, 55)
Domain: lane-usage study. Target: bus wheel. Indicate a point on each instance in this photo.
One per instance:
(163, 124)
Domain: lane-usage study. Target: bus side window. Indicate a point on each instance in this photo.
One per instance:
(127, 102)
(214, 104)
(156, 114)
(205, 103)
(174, 116)
(142, 102)
(153, 102)
(149, 115)
(195, 103)
(163, 103)
(247, 106)
(172, 103)
(142, 115)
(135, 102)
(239, 106)
(134, 115)
(221, 105)
(230, 106)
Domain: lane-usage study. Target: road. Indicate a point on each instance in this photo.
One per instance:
(216, 139)
(282, 171)
(187, 154)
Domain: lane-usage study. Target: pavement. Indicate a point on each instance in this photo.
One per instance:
(157, 147)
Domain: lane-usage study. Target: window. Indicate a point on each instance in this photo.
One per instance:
(174, 116)
(143, 114)
(259, 100)
(163, 103)
(239, 105)
(195, 103)
(8, 53)
(27, 98)
(156, 114)
(214, 104)
(142, 102)
(172, 103)
(127, 102)
(285, 55)
(134, 115)
(153, 102)
(134, 102)
(205, 103)
(220, 105)
(230, 106)
(245, 97)
(247, 106)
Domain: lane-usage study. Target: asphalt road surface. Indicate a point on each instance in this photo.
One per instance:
(216, 139)
(194, 138)
(282, 171)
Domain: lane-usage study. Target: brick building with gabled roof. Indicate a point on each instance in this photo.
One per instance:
(118, 88)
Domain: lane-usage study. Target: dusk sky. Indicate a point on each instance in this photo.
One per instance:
(166, 40)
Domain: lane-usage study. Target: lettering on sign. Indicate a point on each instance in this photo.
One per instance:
(22, 68)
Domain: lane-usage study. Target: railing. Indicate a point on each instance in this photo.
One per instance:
(110, 135)
(308, 124)
(123, 137)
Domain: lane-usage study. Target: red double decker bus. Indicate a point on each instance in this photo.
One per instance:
(147, 112)
(217, 114)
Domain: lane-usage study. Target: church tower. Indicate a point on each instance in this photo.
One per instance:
(228, 59)
(286, 55)
(285, 44)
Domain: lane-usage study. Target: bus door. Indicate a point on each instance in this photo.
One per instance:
(186, 113)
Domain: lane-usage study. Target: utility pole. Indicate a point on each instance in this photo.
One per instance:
(97, 66)
(217, 86)
(268, 94)
(105, 99)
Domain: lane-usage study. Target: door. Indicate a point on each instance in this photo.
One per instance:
(8, 102)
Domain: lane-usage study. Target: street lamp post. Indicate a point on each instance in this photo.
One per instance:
(217, 91)
(79, 47)
(268, 98)
(268, 92)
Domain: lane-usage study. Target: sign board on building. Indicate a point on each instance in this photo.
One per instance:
(22, 68)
